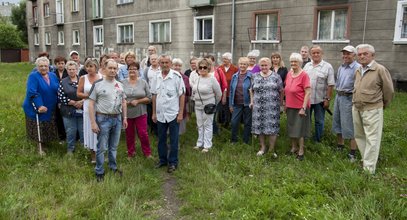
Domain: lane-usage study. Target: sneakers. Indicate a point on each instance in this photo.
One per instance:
(340, 147)
(171, 168)
(352, 158)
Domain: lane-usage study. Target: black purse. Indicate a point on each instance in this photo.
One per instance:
(208, 108)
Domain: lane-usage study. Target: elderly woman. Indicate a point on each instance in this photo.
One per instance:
(277, 65)
(253, 67)
(82, 71)
(297, 95)
(129, 58)
(239, 101)
(266, 96)
(207, 91)
(41, 99)
(138, 96)
(85, 84)
(71, 106)
(177, 66)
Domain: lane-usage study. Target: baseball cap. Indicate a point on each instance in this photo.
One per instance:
(73, 52)
(349, 48)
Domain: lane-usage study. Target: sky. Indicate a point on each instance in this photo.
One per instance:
(11, 1)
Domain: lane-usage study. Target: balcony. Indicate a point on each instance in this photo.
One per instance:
(59, 18)
(201, 3)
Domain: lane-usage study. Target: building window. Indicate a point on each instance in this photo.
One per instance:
(98, 35)
(35, 16)
(47, 38)
(333, 24)
(97, 8)
(75, 5)
(119, 2)
(61, 38)
(36, 39)
(46, 10)
(125, 33)
(203, 29)
(59, 11)
(266, 27)
(160, 31)
(75, 35)
(400, 31)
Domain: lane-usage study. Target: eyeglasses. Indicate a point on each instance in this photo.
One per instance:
(203, 67)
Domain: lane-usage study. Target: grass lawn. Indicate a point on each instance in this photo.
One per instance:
(229, 182)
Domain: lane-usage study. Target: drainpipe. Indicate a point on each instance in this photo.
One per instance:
(85, 27)
(364, 22)
(232, 42)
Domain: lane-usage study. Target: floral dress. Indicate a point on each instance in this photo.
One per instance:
(266, 104)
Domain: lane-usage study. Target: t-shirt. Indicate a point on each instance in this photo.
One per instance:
(108, 96)
(295, 90)
(137, 91)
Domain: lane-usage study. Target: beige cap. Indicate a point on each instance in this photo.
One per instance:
(73, 52)
(349, 48)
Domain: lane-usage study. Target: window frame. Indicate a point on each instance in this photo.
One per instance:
(61, 38)
(95, 42)
(35, 15)
(317, 23)
(401, 4)
(47, 11)
(196, 18)
(74, 37)
(36, 39)
(151, 31)
(59, 11)
(75, 5)
(118, 2)
(118, 36)
(97, 12)
(47, 36)
(255, 26)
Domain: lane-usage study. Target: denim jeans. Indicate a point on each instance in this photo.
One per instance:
(73, 125)
(108, 139)
(240, 111)
(319, 117)
(166, 157)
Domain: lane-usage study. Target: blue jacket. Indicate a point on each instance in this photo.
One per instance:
(42, 94)
(246, 86)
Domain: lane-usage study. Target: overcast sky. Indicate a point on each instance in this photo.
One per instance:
(12, 1)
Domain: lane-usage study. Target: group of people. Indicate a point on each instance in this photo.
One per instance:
(96, 100)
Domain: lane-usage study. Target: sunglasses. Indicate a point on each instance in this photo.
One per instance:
(203, 67)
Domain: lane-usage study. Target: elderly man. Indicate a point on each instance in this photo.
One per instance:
(146, 62)
(372, 93)
(305, 55)
(228, 69)
(107, 111)
(342, 124)
(322, 79)
(168, 104)
(74, 56)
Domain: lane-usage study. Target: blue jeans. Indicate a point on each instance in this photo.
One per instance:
(166, 157)
(319, 116)
(108, 139)
(240, 111)
(72, 126)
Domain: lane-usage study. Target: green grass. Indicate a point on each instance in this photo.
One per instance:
(229, 182)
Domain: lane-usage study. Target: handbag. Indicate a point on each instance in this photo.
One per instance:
(208, 108)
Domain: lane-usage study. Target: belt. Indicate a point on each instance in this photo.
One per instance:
(342, 93)
(108, 115)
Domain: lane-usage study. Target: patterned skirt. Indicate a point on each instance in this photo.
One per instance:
(48, 130)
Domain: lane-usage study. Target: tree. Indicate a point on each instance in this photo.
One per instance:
(18, 18)
(10, 37)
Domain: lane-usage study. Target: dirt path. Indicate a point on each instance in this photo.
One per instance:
(171, 203)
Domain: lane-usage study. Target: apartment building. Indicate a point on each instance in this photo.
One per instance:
(186, 28)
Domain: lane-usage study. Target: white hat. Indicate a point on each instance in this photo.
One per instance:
(72, 52)
(349, 48)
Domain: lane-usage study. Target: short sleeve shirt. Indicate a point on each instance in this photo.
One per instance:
(133, 92)
(321, 76)
(346, 77)
(108, 96)
(167, 91)
(295, 90)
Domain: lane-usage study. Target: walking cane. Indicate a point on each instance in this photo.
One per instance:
(38, 126)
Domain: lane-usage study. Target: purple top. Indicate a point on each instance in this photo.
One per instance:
(256, 69)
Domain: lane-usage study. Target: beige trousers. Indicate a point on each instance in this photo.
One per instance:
(368, 127)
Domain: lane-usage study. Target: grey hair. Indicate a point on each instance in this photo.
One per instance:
(253, 53)
(162, 56)
(227, 55)
(41, 59)
(296, 57)
(71, 63)
(369, 47)
(177, 61)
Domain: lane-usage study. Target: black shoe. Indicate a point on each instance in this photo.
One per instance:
(100, 177)
(159, 165)
(171, 168)
(300, 157)
(118, 172)
(340, 147)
